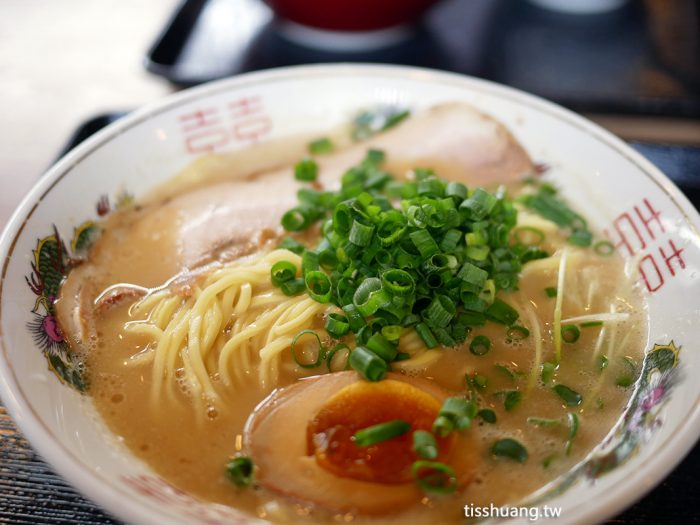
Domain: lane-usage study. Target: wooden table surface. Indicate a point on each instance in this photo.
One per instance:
(62, 61)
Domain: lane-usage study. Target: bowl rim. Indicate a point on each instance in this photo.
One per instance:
(109, 496)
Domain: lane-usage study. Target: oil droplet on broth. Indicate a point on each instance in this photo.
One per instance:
(117, 398)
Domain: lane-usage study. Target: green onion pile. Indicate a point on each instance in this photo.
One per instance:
(425, 254)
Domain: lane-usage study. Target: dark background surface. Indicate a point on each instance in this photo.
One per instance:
(622, 61)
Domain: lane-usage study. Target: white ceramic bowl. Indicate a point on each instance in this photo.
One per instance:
(625, 195)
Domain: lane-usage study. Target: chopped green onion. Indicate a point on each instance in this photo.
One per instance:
(450, 240)
(511, 449)
(306, 170)
(604, 248)
(370, 297)
(363, 335)
(511, 399)
(528, 236)
(294, 246)
(573, 422)
(240, 471)
(517, 333)
(624, 381)
(282, 271)
(382, 347)
(473, 278)
(456, 413)
(368, 364)
(431, 187)
(474, 305)
(299, 218)
(342, 218)
(547, 462)
(318, 284)
(476, 238)
(293, 287)
(570, 333)
(543, 422)
(479, 204)
(441, 311)
(375, 156)
(531, 253)
(391, 229)
(444, 337)
(546, 204)
(321, 146)
(480, 345)
(456, 190)
(392, 332)
(360, 233)
(602, 362)
(309, 261)
(436, 263)
(478, 253)
(328, 259)
(342, 350)
(569, 396)
(344, 290)
(369, 123)
(309, 196)
(480, 381)
(398, 282)
(580, 238)
(424, 444)
(424, 243)
(337, 325)
(508, 372)
(591, 324)
(426, 335)
(548, 370)
(355, 318)
(551, 291)
(487, 415)
(502, 312)
(320, 352)
(381, 432)
(473, 318)
(395, 118)
(434, 477)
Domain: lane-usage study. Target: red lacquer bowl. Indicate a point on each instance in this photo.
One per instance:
(350, 15)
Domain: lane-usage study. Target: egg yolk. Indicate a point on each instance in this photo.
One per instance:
(364, 404)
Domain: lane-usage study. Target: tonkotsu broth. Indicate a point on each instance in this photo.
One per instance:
(188, 444)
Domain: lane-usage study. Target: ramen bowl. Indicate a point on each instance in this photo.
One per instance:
(631, 202)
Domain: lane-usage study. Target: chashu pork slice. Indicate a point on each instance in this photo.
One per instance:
(278, 441)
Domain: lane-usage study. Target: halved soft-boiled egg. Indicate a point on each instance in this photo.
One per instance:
(302, 441)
